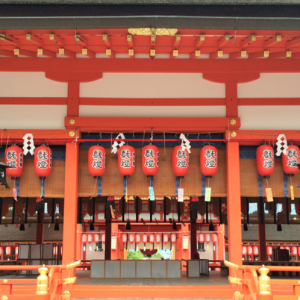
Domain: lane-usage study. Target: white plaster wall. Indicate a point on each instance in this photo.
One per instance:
(151, 111)
(271, 85)
(269, 117)
(32, 116)
(30, 84)
(152, 85)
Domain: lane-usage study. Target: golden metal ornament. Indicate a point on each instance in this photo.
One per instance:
(72, 133)
(42, 281)
(149, 31)
(72, 121)
(233, 134)
(65, 296)
(264, 282)
(232, 121)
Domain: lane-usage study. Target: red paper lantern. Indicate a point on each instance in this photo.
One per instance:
(294, 251)
(90, 238)
(173, 238)
(269, 251)
(151, 238)
(150, 160)
(96, 238)
(244, 250)
(287, 248)
(84, 238)
(207, 238)
(250, 250)
(96, 161)
(166, 238)
(17, 250)
(1, 251)
(145, 238)
(290, 160)
(61, 250)
(214, 238)
(180, 161)
(8, 251)
(131, 238)
(137, 238)
(103, 238)
(158, 239)
(14, 159)
(126, 160)
(55, 250)
(299, 251)
(124, 238)
(42, 161)
(265, 160)
(209, 161)
(255, 250)
(201, 238)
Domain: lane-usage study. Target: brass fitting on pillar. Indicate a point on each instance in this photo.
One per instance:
(42, 281)
(65, 296)
(264, 283)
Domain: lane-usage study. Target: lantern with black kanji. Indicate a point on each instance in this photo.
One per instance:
(207, 238)
(145, 238)
(214, 238)
(96, 238)
(124, 238)
(150, 160)
(90, 238)
(137, 238)
(84, 238)
(42, 168)
(157, 238)
(294, 251)
(265, 160)
(151, 238)
(249, 250)
(180, 161)
(290, 160)
(126, 162)
(96, 161)
(55, 250)
(1, 251)
(244, 250)
(255, 250)
(299, 251)
(208, 161)
(42, 161)
(201, 238)
(103, 238)
(14, 159)
(166, 238)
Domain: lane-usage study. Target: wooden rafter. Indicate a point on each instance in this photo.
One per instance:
(34, 39)
(88, 53)
(223, 41)
(66, 52)
(6, 53)
(248, 41)
(9, 39)
(56, 39)
(45, 52)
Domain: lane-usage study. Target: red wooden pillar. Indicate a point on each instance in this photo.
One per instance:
(234, 205)
(262, 242)
(70, 202)
(40, 228)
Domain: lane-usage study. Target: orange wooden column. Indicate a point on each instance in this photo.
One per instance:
(71, 196)
(234, 205)
(221, 232)
(78, 242)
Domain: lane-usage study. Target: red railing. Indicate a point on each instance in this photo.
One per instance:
(47, 286)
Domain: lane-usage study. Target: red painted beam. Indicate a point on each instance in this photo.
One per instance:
(268, 101)
(113, 124)
(73, 99)
(152, 101)
(32, 101)
(150, 66)
(231, 99)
